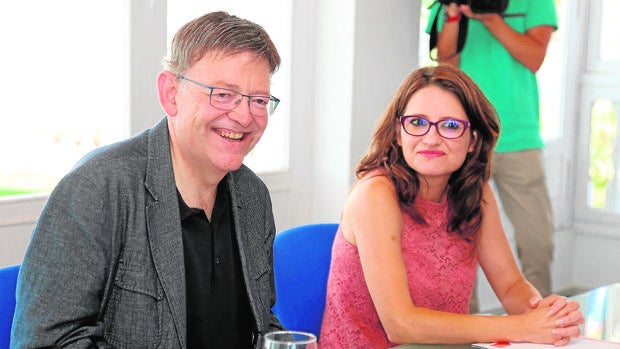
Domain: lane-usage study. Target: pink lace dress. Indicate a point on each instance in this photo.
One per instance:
(440, 269)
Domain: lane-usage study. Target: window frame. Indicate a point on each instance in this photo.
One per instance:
(594, 62)
(598, 79)
(594, 87)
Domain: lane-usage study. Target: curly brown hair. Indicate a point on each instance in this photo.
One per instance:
(465, 185)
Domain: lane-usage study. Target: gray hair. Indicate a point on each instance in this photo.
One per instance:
(219, 32)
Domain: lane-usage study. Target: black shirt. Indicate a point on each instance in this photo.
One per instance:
(218, 310)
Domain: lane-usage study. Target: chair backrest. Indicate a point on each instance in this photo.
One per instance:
(302, 256)
(8, 280)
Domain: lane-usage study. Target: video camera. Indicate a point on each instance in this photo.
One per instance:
(481, 6)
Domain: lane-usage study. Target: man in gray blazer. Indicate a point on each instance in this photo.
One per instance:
(165, 240)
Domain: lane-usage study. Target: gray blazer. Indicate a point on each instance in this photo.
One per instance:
(105, 264)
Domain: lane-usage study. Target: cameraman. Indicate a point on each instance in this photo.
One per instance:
(502, 53)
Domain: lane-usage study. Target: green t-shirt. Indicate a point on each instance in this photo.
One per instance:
(509, 85)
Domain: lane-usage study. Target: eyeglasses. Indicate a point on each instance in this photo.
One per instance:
(449, 128)
(227, 99)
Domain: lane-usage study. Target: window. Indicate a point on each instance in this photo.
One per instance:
(64, 87)
(598, 186)
(610, 51)
(604, 186)
(271, 154)
(604, 38)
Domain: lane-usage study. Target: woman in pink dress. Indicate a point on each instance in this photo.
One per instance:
(417, 223)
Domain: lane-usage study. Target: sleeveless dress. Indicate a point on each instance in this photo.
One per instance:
(440, 268)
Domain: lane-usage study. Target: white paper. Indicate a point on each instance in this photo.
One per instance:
(575, 343)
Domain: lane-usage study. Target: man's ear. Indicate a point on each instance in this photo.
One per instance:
(167, 88)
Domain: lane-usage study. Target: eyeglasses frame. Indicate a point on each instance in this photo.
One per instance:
(274, 99)
(403, 117)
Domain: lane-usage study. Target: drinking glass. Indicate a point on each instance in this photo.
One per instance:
(289, 340)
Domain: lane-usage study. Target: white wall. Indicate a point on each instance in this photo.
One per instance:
(365, 49)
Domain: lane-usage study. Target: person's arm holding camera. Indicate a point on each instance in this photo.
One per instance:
(447, 38)
(528, 48)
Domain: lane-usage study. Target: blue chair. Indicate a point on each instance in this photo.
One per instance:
(302, 256)
(8, 280)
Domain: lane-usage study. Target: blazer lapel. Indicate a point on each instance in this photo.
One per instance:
(167, 250)
(250, 243)
(164, 225)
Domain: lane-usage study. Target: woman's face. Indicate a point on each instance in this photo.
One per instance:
(433, 157)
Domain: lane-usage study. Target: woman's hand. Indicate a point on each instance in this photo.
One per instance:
(566, 314)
